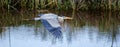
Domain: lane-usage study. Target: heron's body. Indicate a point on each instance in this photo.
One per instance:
(52, 19)
(52, 23)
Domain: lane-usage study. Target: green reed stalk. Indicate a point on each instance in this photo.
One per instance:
(32, 4)
(63, 4)
(109, 4)
(49, 2)
(42, 3)
(118, 4)
(36, 3)
(56, 3)
(1, 3)
(8, 4)
(73, 4)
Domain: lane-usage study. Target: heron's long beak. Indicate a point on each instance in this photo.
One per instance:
(68, 18)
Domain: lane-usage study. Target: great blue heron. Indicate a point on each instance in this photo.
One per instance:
(51, 16)
(52, 23)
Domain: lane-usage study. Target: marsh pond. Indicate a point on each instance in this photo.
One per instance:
(86, 29)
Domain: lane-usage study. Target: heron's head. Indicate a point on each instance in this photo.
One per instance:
(62, 18)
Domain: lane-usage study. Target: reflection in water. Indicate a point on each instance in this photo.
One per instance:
(87, 29)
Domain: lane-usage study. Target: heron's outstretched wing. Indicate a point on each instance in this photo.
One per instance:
(53, 26)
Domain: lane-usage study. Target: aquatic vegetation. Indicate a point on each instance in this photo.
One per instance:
(15, 18)
(61, 4)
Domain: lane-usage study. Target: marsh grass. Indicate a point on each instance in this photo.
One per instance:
(61, 4)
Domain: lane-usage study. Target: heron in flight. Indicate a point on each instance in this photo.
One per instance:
(52, 23)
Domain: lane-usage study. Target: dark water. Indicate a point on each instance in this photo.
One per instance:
(87, 29)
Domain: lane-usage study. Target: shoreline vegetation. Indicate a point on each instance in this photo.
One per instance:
(77, 5)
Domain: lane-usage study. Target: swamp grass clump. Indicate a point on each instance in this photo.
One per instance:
(61, 4)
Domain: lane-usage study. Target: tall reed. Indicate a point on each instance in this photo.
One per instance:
(62, 4)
